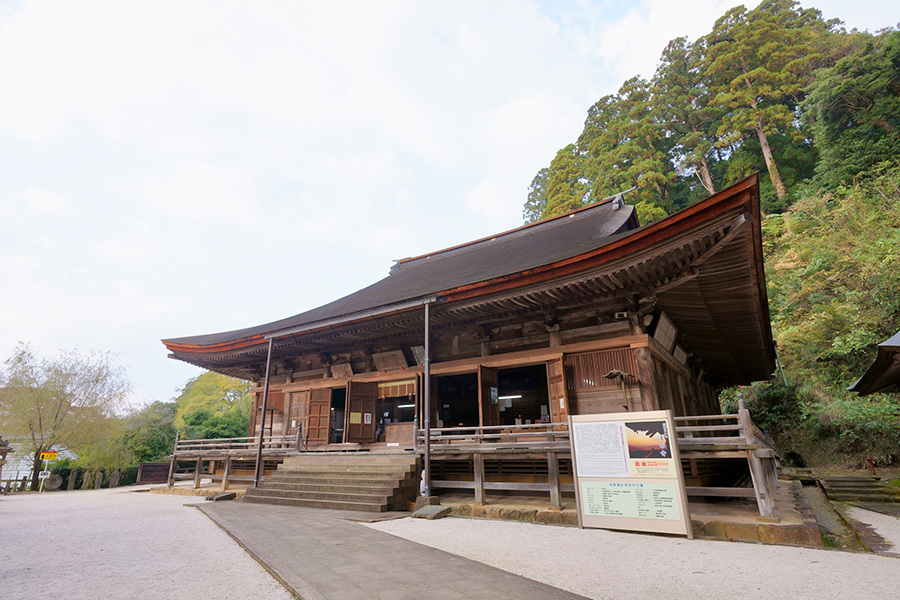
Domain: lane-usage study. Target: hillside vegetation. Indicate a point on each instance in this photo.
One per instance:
(816, 109)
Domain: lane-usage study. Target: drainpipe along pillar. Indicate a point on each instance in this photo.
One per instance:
(262, 420)
(426, 478)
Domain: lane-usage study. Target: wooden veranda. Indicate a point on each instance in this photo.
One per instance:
(460, 454)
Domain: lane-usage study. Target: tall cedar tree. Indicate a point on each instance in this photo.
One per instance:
(759, 62)
(681, 105)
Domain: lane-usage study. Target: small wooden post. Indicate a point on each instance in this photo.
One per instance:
(172, 467)
(553, 479)
(197, 469)
(73, 477)
(478, 460)
(226, 473)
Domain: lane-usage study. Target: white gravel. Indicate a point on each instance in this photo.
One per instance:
(614, 565)
(887, 526)
(118, 544)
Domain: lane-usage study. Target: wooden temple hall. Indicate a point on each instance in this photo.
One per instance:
(503, 338)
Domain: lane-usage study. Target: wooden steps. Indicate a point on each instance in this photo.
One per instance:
(359, 481)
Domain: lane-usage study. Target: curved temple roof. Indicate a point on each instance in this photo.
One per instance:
(528, 247)
(703, 266)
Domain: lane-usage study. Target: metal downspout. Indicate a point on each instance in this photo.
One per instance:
(262, 420)
(427, 472)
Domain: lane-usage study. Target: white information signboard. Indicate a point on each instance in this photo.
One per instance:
(628, 473)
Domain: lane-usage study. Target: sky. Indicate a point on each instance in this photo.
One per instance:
(170, 169)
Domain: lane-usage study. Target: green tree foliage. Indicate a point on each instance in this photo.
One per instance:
(213, 403)
(725, 106)
(150, 433)
(213, 392)
(759, 62)
(537, 197)
(853, 109)
(203, 424)
(833, 271)
(566, 185)
(68, 400)
(625, 148)
(681, 105)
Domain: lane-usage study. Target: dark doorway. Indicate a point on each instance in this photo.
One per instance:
(338, 402)
(458, 400)
(524, 396)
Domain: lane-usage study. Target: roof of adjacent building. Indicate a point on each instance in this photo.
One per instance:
(884, 374)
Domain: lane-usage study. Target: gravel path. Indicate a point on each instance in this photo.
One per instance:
(611, 565)
(119, 544)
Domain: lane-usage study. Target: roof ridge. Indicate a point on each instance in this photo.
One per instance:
(543, 223)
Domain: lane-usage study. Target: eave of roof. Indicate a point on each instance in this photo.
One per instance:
(884, 374)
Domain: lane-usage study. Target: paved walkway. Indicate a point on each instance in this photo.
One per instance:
(324, 555)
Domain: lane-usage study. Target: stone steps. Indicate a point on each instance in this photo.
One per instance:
(363, 482)
(859, 489)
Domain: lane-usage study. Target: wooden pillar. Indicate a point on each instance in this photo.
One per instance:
(478, 460)
(553, 479)
(171, 481)
(646, 375)
(226, 472)
(197, 469)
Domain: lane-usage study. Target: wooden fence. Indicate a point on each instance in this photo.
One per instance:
(700, 439)
(229, 451)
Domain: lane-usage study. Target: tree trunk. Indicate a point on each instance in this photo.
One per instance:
(35, 482)
(770, 162)
(702, 169)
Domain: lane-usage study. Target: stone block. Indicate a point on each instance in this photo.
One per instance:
(549, 517)
(716, 529)
(491, 512)
(478, 510)
(510, 514)
(799, 535)
(742, 531)
(699, 528)
(528, 514)
(463, 510)
(431, 512)
(569, 517)
(427, 501)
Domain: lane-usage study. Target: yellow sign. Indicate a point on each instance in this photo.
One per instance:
(51, 455)
(355, 418)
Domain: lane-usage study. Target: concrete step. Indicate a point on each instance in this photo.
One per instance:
(347, 468)
(383, 490)
(306, 503)
(872, 497)
(863, 491)
(341, 479)
(387, 459)
(344, 496)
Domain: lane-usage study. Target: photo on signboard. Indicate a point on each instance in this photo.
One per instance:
(648, 439)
